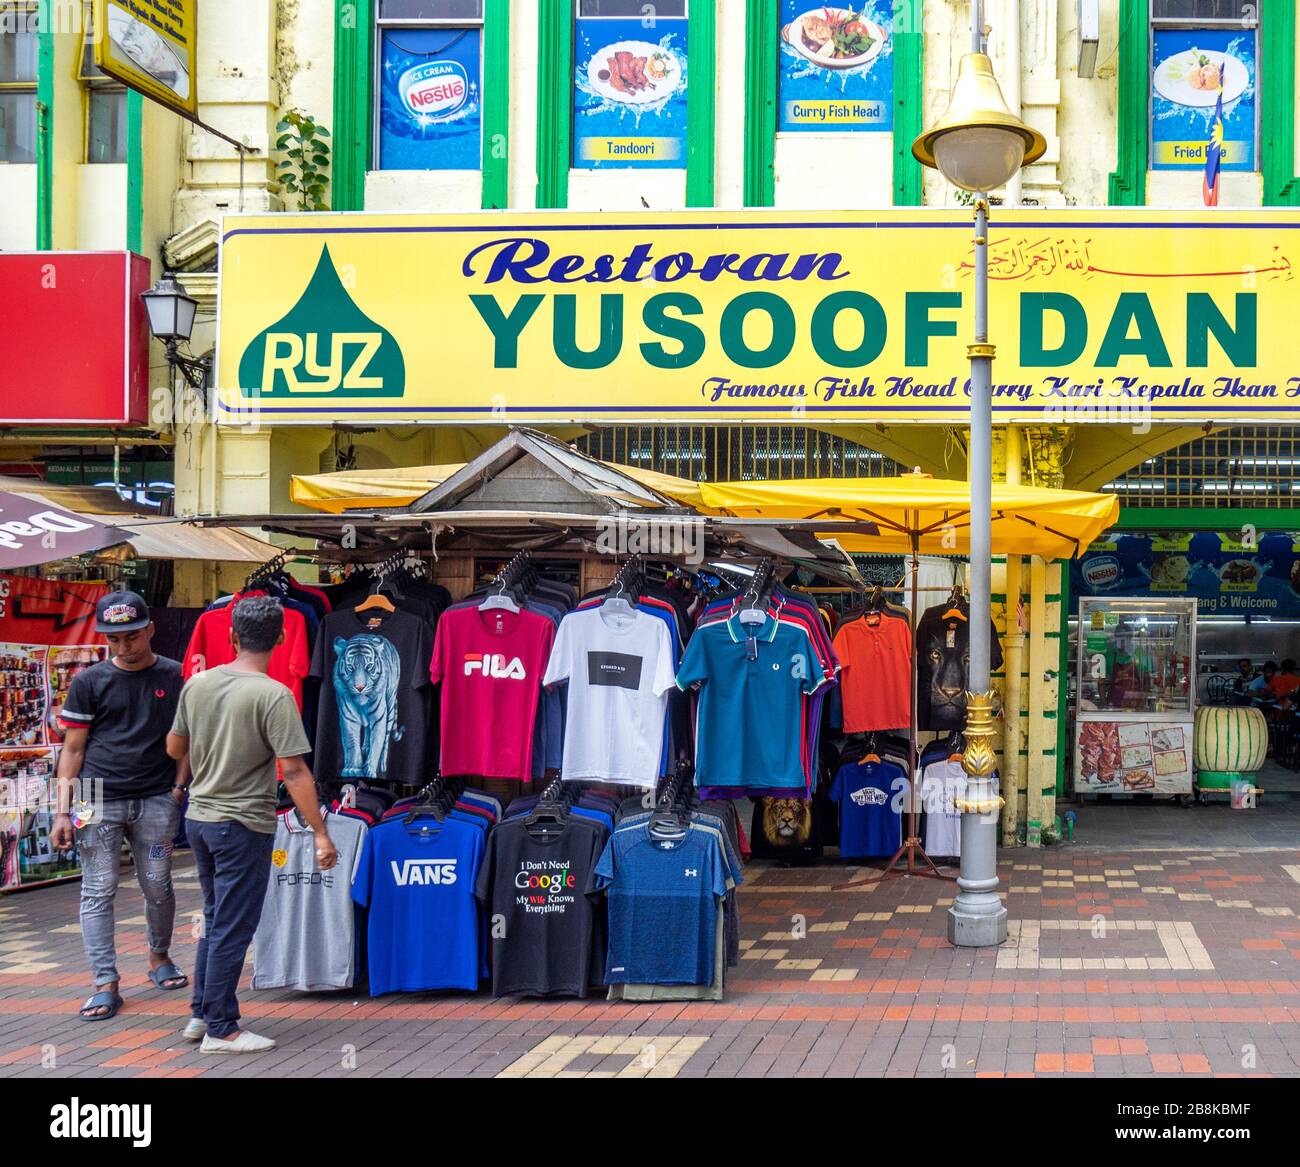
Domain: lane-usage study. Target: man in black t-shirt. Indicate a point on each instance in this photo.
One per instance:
(116, 781)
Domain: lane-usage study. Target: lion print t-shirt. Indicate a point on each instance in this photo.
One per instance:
(375, 718)
(943, 667)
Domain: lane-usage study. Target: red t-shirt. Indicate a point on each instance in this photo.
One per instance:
(210, 646)
(875, 654)
(490, 666)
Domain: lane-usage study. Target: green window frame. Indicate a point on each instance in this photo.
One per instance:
(355, 102)
(555, 102)
(1277, 95)
(762, 20)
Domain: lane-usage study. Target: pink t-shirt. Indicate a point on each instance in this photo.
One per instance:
(490, 665)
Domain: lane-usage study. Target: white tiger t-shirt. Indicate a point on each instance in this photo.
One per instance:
(374, 719)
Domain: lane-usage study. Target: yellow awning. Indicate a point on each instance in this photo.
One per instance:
(351, 490)
(1027, 520)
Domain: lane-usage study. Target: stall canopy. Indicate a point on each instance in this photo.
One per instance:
(933, 512)
(130, 535)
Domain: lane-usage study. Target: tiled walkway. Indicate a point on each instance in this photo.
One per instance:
(1161, 963)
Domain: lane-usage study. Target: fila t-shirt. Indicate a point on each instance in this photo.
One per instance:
(490, 666)
(422, 930)
(619, 667)
(537, 893)
(375, 712)
(871, 796)
(305, 939)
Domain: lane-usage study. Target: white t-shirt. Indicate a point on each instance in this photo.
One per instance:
(619, 667)
(942, 784)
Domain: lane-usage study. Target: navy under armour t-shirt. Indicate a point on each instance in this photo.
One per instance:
(871, 796)
(418, 881)
(663, 899)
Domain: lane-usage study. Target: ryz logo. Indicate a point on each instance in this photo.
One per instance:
(325, 346)
(494, 664)
(423, 871)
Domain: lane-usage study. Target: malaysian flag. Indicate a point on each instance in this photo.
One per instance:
(1213, 156)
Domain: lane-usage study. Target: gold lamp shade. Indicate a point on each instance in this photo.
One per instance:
(978, 108)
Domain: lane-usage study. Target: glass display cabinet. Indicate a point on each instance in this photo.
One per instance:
(1136, 696)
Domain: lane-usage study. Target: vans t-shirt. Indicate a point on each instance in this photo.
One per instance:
(619, 667)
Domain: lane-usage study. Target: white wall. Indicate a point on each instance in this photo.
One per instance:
(424, 190)
(627, 190)
(101, 206)
(17, 207)
(834, 170)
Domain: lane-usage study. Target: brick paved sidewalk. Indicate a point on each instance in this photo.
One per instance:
(1140, 963)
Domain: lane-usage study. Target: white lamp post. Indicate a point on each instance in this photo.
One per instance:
(978, 145)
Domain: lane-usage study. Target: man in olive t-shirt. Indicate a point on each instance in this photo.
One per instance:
(233, 723)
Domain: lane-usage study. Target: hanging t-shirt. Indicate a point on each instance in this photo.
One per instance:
(619, 667)
(537, 893)
(871, 797)
(943, 667)
(128, 713)
(490, 666)
(875, 653)
(305, 939)
(375, 712)
(663, 906)
(210, 646)
(422, 930)
(749, 724)
(943, 782)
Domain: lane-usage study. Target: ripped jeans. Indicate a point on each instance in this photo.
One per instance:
(150, 825)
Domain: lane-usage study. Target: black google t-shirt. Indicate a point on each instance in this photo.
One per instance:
(128, 713)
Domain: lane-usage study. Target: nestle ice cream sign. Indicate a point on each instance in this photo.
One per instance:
(436, 90)
(1102, 572)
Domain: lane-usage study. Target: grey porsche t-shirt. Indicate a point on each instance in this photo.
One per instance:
(306, 938)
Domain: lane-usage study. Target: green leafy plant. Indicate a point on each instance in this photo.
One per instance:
(303, 170)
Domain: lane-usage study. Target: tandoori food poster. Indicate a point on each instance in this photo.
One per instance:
(629, 101)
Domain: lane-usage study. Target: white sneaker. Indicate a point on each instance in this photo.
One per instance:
(194, 1030)
(245, 1043)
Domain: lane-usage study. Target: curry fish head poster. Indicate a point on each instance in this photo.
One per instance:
(629, 101)
(836, 67)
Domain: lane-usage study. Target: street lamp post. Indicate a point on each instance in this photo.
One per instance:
(979, 145)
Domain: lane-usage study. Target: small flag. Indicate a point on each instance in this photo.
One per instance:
(1213, 154)
(1022, 617)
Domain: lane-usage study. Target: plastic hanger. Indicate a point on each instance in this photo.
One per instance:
(375, 600)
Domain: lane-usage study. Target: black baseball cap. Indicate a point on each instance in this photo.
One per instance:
(121, 612)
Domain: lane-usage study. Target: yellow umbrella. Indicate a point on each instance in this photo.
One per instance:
(923, 515)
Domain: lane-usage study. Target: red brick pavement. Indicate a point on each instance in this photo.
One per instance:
(1150, 963)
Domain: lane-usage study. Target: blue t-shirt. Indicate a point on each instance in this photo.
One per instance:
(663, 902)
(753, 679)
(423, 926)
(871, 796)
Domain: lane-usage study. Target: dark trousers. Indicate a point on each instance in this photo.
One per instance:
(234, 864)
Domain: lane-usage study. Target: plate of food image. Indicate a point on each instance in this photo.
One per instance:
(835, 38)
(1193, 77)
(634, 72)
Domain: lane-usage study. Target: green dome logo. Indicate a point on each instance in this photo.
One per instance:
(325, 346)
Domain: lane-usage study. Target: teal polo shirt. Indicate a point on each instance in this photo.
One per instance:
(749, 725)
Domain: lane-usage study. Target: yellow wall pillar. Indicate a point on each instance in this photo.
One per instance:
(1013, 769)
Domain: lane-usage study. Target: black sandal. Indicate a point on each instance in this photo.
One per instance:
(107, 999)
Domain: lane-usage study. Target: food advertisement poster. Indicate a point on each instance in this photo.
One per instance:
(1260, 576)
(47, 636)
(629, 101)
(431, 111)
(150, 46)
(1133, 757)
(1190, 68)
(837, 67)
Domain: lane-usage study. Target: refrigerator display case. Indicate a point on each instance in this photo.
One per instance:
(1136, 695)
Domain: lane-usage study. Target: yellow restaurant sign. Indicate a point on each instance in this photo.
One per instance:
(150, 46)
(1109, 315)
